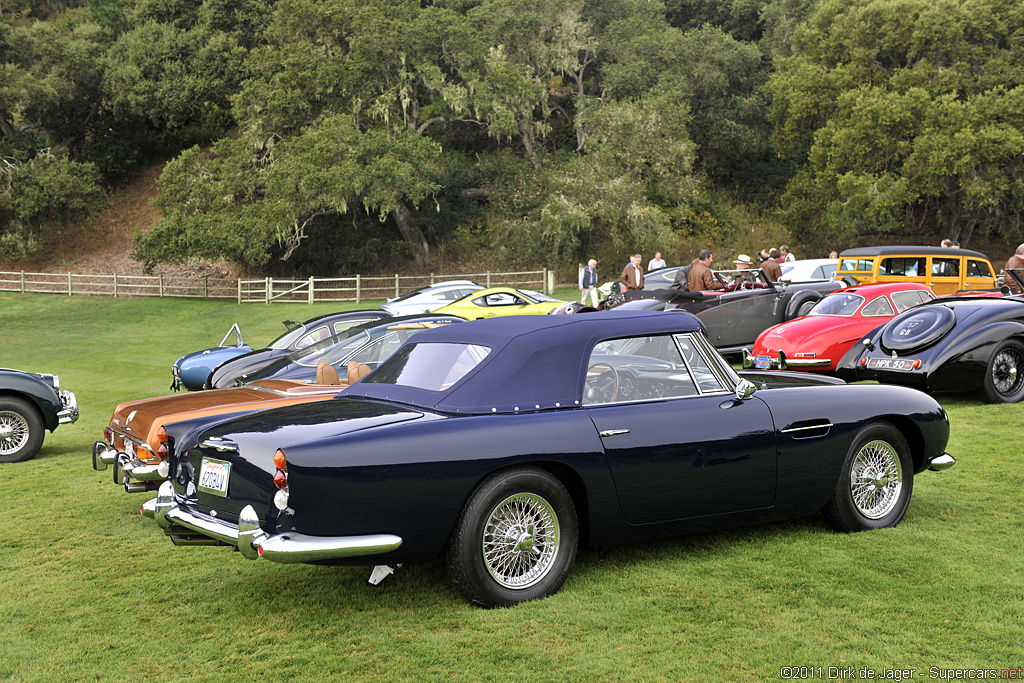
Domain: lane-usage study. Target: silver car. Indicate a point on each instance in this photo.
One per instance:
(427, 299)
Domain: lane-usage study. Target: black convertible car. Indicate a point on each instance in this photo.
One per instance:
(747, 304)
(503, 445)
(954, 344)
(30, 403)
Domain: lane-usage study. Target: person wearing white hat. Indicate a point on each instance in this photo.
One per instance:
(742, 264)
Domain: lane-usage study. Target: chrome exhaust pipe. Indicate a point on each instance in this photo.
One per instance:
(136, 486)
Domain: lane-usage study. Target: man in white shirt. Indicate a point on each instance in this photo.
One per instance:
(588, 283)
(656, 262)
(788, 257)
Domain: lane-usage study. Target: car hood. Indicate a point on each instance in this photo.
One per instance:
(140, 419)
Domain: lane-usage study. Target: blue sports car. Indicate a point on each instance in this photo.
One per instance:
(193, 371)
(503, 445)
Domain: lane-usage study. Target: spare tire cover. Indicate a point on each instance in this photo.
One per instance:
(918, 328)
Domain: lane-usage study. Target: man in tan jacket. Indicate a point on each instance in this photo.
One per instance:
(1016, 261)
(701, 278)
(632, 275)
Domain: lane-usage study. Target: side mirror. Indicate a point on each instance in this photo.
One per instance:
(745, 389)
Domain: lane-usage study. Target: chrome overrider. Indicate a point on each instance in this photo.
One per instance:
(941, 462)
(69, 408)
(188, 528)
(134, 474)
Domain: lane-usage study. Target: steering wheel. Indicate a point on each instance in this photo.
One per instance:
(746, 283)
(604, 387)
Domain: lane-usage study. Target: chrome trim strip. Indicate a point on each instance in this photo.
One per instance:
(941, 462)
(808, 362)
(614, 432)
(825, 425)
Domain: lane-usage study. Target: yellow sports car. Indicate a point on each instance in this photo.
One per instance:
(488, 303)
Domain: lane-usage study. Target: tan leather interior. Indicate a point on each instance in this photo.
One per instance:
(357, 371)
(326, 374)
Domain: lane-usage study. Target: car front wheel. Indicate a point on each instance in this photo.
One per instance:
(515, 539)
(875, 483)
(1004, 376)
(21, 430)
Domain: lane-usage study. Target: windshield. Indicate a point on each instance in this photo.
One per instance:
(844, 304)
(431, 366)
(286, 339)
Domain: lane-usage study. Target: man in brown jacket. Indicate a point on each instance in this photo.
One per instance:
(632, 275)
(1016, 261)
(771, 267)
(701, 278)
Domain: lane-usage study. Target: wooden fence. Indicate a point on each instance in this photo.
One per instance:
(266, 290)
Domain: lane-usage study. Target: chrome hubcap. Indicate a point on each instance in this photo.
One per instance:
(1005, 372)
(876, 479)
(13, 432)
(520, 540)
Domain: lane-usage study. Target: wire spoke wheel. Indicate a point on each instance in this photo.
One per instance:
(520, 540)
(1008, 371)
(14, 432)
(876, 479)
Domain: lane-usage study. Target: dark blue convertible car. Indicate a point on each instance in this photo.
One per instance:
(504, 445)
(29, 404)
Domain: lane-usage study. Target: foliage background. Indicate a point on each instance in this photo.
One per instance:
(309, 137)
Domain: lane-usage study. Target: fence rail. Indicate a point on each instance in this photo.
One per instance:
(266, 290)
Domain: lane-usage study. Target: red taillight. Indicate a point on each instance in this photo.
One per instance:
(863, 361)
(280, 479)
(280, 462)
(162, 451)
(161, 435)
(108, 435)
(917, 363)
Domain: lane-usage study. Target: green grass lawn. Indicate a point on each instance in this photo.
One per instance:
(90, 590)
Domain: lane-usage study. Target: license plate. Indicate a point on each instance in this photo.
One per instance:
(898, 364)
(213, 477)
(763, 363)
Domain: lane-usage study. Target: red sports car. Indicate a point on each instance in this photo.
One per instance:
(819, 339)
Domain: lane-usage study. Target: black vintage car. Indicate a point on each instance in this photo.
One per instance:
(503, 445)
(747, 304)
(951, 344)
(29, 404)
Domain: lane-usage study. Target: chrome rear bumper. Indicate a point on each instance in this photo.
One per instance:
(252, 541)
(941, 462)
(782, 362)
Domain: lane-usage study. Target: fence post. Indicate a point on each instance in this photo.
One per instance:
(396, 285)
(161, 286)
(431, 278)
(206, 286)
(239, 281)
(268, 283)
(69, 285)
(488, 279)
(358, 285)
(115, 285)
(551, 283)
(23, 282)
(311, 297)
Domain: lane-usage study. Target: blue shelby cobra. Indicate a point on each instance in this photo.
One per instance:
(504, 445)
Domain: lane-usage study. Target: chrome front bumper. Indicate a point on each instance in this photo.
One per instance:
(941, 462)
(69, 413)
(253, 542)
(782, 362)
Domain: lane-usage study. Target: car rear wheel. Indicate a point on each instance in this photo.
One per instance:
(515, 539)
(875, 483)
(21, 430)
(1004, 376)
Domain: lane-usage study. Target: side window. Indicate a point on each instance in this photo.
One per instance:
(860, 265)
(905, 300)
(945, 267)
(902, 265)
(343, 325)
(879, 306)
(636, 369)
(313, 337)
(978, 269)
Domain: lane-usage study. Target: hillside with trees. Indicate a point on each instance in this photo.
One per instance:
(312, 137)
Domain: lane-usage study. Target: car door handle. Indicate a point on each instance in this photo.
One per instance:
(614, 432)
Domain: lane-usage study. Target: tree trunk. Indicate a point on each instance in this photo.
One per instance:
(411, 233)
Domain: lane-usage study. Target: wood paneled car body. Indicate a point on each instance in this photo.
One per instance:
(502, 445)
